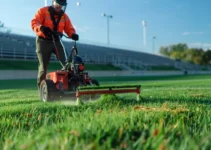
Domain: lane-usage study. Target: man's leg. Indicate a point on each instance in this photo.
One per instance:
(44, 50)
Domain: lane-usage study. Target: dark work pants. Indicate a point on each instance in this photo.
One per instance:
(44, 49)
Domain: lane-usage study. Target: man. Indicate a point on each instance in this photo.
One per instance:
(46, 22)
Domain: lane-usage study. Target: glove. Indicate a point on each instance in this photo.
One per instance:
(75, 37)
(45, 30)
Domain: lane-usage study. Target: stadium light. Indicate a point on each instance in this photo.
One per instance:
(78, 4)
(153, 44)
(1, 24)
(46, 2)
(144, 24)
(108, 17)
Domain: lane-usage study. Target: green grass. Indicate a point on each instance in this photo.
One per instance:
(124, 80)
(33, 65)
(163, 68)
(174, 113)
(158, 68)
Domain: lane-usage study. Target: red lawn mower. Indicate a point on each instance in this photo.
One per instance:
(74, 82)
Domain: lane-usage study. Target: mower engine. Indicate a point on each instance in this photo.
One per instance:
(69, 80)
(77, 76)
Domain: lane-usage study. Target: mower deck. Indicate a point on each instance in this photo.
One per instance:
(109, 90)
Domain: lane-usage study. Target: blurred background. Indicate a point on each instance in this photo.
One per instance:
(132, 35)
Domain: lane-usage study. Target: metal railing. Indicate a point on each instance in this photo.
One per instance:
(29, 54)
(120, 61)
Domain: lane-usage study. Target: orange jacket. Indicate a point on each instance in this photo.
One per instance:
(43, 18)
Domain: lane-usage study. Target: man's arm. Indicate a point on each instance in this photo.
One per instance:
(37, 21)
(69, 29)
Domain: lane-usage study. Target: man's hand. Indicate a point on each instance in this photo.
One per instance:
(75, 37)
(46, 30)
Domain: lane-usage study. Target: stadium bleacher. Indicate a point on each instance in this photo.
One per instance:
(13, 46)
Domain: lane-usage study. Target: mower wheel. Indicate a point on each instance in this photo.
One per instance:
(47, 90)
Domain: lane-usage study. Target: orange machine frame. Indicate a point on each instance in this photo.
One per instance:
(59, 77)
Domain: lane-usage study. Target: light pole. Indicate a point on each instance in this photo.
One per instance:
(46, 2)
(144, 24)
(1, 24)
(108, 30)
(153, 44)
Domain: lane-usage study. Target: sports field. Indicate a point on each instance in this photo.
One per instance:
(174, 113)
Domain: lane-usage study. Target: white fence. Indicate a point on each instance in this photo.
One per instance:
(19, 54)
(29, 54)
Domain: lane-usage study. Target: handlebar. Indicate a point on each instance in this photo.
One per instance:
(59, 34)
(74, 48)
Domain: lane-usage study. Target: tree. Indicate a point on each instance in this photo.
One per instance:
(207, 57)
(176, 55)
(181, 47)
(174, 51)
(178, 51)
(164, 51)
(194, 55)
(182, 52)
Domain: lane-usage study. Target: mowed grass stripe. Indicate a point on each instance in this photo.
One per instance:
(99, 127)
(14, 103)
(170, 115)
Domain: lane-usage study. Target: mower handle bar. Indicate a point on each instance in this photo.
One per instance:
(73, 49)
(59, 34)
